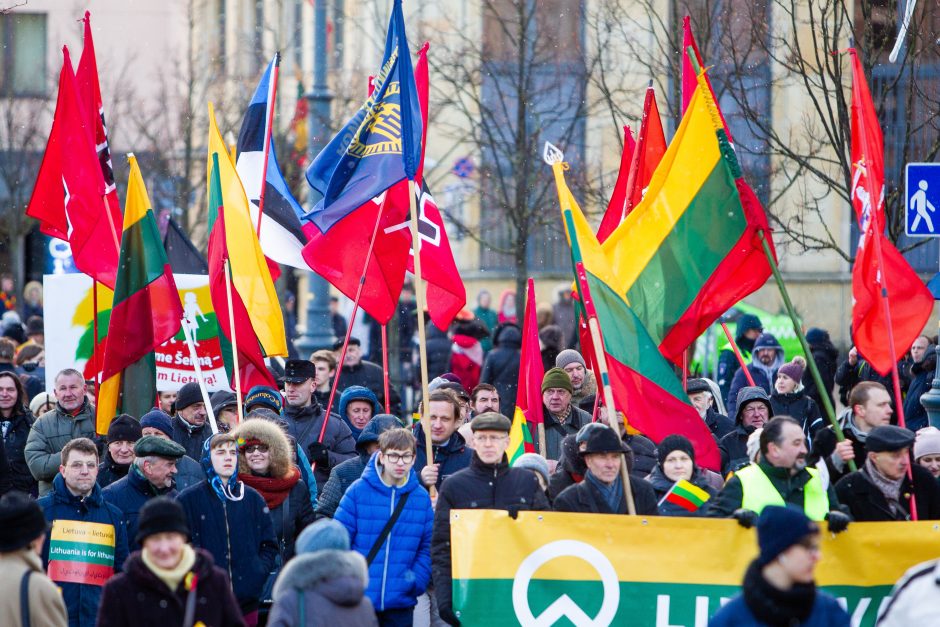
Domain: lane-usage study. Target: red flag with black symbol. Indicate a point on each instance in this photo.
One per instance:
(618, 198)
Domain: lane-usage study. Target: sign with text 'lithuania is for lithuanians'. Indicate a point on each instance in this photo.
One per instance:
(81, 552)
(551, 568)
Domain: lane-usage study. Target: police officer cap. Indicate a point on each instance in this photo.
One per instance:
(299, 370)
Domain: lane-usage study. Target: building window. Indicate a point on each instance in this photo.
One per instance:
(23, 39)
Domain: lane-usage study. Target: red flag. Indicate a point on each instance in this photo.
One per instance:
(650, 148)
(689, 75)
(87, 78)
(614, 214)
(531, 371)
(910, 301)
(69, 193)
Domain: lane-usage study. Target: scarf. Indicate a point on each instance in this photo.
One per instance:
(775, 607)
(275, 490)
(173, 576)
(612, 493)
(890, 488)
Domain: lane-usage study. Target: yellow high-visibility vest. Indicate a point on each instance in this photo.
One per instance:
(759, 492)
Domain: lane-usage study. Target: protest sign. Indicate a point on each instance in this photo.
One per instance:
(81, 552)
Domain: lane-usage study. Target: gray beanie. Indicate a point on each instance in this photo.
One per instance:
(323, 535)
(569, 356)
(533, 462)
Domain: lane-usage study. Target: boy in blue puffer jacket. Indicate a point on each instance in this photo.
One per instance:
(400, 560)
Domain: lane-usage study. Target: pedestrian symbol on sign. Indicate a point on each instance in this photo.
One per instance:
(922, 184)
(920, 204)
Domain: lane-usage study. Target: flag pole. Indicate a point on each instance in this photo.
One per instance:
(737, 353)
(268, 133)
(94, 348)
(231, 320)
(388, 402)
(422, 338)
(107, 212)
(200, 379)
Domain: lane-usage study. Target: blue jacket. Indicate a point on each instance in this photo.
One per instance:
(826, 613)
(453, 456)
(129, 495)
(401, 570)
(82, 600)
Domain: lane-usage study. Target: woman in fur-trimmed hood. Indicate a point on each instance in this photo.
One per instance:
(265, 462)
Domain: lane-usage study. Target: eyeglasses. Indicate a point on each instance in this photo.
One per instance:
(260, 448)
(489, 439)
(396, 458)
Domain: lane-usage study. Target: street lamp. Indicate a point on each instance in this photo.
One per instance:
(319, 330)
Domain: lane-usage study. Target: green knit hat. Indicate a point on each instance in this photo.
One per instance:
(557, 378)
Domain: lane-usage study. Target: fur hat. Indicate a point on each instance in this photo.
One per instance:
(533, 462)
(265, 432)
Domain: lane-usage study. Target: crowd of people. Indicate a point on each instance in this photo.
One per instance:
(289, 515)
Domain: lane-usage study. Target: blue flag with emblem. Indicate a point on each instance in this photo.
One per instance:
(380, 145)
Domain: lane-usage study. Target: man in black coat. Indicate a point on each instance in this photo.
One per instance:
(881, 490)
(826, 356)
(488, 483)
(601, 491)
(449, 449)
(921, 370)
(356, 370)
(855, 370)
(190, 426)
(753, 410)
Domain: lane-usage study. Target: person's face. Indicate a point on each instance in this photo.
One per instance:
(160, 472)
(122, 451)
(918, 348)
(701, 401)
(486, 401)
(334, 306)
(876, 411)
(80, 472)
(678, 465)
(224, 458)
(49, 406)
(70, 391)
(604, 466)
(359, 413)
(753, 334)
(799, 561)
(371, 448)
(298, 394)
(755, 414)
(228, 416)
(353, 355)
(396, 464)
(324, 373)
(892, 464)
(155, 431)
(443, 421)
(166, 401)
(490, 445)
(791, 452)
(258, 457)
(6, 285)
(931, 463)
(767, 355)
(556, 399)
(576, 373)
(784, 384)
(484, 300)
(165, 549)
(8, 395)
(195, 414)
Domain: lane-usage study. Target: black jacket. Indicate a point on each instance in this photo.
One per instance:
(585, 498)
(480, 486)
(733, 449)
(921, 375)
(438, 351)
(719, 424)
(848, 376)
(644, 454)
(501, 366)
(556, 431)
(15, 446)
(110, 471)
(801, 408)
(868, 504)
(304, 424)
(826, 357)
(190, 439)
(129, 494)
(365, 373)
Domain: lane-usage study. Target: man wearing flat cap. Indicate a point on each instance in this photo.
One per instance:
(305, 418)
(488, 483)
(702, 399)
(151, 474)
(881, 489)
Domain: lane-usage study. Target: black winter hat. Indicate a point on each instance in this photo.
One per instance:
(189, 394)
(672, 443)
(779, 528)
(124, 428)
(888, 438)
(604, 440)
(21, 521)
(161, 515)
(694, 386)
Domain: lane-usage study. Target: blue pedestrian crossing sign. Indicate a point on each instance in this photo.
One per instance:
(922, 186)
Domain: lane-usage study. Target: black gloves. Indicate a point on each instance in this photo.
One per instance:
(514, 511)
(838, 522)
(319, 454)
(747, 518)
(449, 617)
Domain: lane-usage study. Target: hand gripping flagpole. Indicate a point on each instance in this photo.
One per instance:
(554, 157)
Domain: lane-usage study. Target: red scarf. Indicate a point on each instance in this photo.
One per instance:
(275, 490)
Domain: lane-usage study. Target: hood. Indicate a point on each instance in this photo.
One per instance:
(269, 433)
(507, 335)
(379, 424)
(748, 394)
(356, 393)
(340, 576)
(571, 460)
(372, 476)
(233, 489)
(747, 322)
(767, 340)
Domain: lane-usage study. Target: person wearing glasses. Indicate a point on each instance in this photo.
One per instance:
(779, 586)
(389, 519)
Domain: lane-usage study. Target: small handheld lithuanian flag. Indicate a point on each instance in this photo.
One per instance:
(686, 495)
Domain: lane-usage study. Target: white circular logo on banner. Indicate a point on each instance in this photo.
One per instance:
(564, 606)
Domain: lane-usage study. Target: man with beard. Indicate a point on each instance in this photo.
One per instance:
(766, 360)
(780, 478)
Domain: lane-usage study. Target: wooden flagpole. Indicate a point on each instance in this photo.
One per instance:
(190, 342)
(231, 321)
(94, 348)
(268, 132)
(388, 402)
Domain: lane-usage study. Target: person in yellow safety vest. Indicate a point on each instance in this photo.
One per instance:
(779, 478)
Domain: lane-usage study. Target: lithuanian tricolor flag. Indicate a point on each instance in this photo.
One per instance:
(145, 313)
(691, 249)
(645, 388)
(686, 495)
(531, 371)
